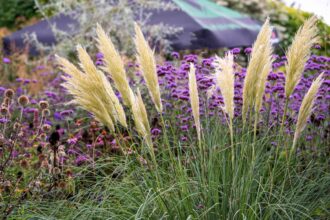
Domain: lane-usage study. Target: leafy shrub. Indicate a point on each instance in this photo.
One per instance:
(117, 18)
(11, 10)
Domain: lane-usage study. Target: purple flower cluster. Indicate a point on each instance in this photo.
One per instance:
(175, 93)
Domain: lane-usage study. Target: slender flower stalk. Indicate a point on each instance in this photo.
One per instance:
(148, 67)
(114, 66)
(257, 66)
(141, 122)
(306, 109)
(297, 56)
(194, 99)
(225, 80)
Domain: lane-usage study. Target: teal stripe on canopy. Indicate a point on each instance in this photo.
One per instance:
(204, 11)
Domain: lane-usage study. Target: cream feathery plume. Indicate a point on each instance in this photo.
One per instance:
(256, 66)
(141, 121)
(194, 99)
(148, 67)
(77, 84)
(100, 84)
(114, 66)
(299, 53)
(263, 75)
(225, 78)
(306, 109)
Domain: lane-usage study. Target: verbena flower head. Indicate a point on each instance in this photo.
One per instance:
(148, 67)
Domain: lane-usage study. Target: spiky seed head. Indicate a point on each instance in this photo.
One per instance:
(43, 104)
(194, 99)
(45, 112)
(225, 78)
(306, 108)
(299, 53)
(148, 67)
(4, 111)
(9, 93)
(23, 100)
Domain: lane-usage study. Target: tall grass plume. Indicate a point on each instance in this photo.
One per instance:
(148, 67)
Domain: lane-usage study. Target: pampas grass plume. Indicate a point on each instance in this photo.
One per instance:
(148, 67)
(92, 91)
(114, 65)
(225, 79)
(256, 66)
(194, 99)
(306, 108)
(76, 84)
(98, 82)
(299, 53)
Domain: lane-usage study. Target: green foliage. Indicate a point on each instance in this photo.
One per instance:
(194, 184)
(291, 22)
(10, 10)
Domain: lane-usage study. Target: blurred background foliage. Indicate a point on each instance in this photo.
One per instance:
(13, 13)
(16, 13)
(286, 19)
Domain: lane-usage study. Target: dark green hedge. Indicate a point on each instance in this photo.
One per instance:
(10, 10)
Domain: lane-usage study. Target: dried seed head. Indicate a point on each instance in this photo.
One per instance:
(43, 104)
(56, 171)
(24, 164)
(23, 100)
(46, 128)
(4, 111)
(17, 125)
(45, 112)
(6, 101)
(9, 93)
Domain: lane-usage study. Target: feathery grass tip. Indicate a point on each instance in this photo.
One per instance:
(148, 67)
